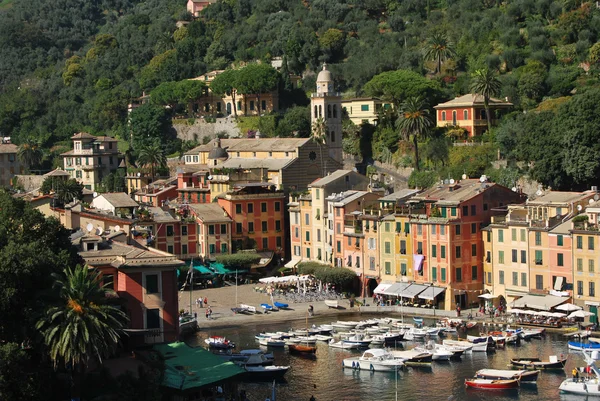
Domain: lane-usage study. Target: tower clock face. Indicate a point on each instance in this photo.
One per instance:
(312, 156)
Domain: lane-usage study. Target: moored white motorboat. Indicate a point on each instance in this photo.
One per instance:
(342, 344)
(524, 376)
(464, 345)
(438, 354)
(321, 337)
(413, 357)
(307, 340)
(272, 342)
(266, 372)
(374, 360)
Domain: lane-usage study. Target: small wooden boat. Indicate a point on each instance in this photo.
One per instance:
(524, 376)
(302, 349)
(332, 303)
(581, 346)
(487, 384)
(535, 363)
(281, 305)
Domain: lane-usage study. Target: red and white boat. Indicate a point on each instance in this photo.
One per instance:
(487, 384)
(219, 342)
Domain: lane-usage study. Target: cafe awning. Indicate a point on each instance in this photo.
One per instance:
(431, 292)
(412, 290)
(382, 287)
(292, 263)
(395, 289)
(540, 302)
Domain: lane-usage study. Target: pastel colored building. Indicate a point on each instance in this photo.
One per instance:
(445, 229)
(92, 159)
(585, 254)
(468, 112)
(214, 230)
(157, 193)
(145, 279)
(286, 163)
(194, 7)
(396, 248)
(168, 230)
(193, 185)
(364, 110)
(211, 104)
(258, 214)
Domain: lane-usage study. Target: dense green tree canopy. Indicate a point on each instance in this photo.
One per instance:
(397, 86)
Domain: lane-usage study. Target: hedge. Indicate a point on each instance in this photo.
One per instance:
(340, 276)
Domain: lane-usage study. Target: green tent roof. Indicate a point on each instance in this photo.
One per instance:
(188, 368)
(203, 269)
(221, 269)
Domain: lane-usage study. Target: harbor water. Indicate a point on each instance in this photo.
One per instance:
(324, 378)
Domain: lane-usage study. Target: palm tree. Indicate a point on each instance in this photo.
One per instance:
(319, 136)
(81, 326)
(485, 83)
(439, 48)
(152, 154)
(68, 190)
(30, 153)
(414, 119)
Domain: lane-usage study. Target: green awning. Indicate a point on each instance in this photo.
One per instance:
(203, 269)
(191, 368)
(220, 269)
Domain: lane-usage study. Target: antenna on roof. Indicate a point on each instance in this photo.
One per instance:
(464, 176)
(451, 180)
(117, 228)
(539, 192)
(579, 207)
(483, 178)
(514, 189)
(89, 227)
(95, 194)
(99, 230)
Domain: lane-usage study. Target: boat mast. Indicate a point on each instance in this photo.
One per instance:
(191, 284)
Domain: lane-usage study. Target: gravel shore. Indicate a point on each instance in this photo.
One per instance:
(221, 300)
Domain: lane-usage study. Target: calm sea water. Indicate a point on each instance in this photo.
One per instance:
(325, 378)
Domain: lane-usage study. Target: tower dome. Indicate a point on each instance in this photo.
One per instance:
(324, 75)
(217, 152)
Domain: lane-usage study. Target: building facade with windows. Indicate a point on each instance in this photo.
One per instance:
(531, 248)
(258, 217)
(364, 110)
(146, 280)
(10, 165)
(586, 242)
(214, 230)
(445, 228)
(92, 159)
(468, 112)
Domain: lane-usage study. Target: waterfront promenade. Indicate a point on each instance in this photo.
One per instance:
(222, 299)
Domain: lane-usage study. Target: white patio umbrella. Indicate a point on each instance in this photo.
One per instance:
(487, 296)
(542, 313)
(558, 314)
(527, 312)
(568, 307)
(517, 311)
(580, 313)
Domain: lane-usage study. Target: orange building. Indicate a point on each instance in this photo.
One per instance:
(447, 241)
(258, 217)
(193, 185)
(468, 112)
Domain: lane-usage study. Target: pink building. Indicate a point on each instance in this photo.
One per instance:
(196, 6)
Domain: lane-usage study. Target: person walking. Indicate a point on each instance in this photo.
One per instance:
(207, 314)
(205, 301)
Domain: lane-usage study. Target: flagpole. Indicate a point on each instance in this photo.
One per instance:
(191, 284)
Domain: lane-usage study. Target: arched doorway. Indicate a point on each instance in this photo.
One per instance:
(228, 108)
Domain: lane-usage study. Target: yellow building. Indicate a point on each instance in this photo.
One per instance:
(584, 229)
(290, 163)
(364, 109)
(245, 105)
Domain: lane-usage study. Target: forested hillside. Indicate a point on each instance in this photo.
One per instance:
(67, 66)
